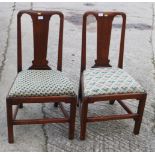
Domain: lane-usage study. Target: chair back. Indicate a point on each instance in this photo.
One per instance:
(104, 27)
(40, 20)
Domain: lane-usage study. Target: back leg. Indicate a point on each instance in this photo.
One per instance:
(21, 105)
(72, 119)
(56, 104)
(111, 102)
(83, 121)
(79, 95)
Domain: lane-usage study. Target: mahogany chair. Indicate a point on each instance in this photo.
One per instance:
(40, 84)
(103, 82)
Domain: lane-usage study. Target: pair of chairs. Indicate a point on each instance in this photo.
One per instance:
(41, 84)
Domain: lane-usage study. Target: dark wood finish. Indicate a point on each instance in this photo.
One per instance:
(40, 20)
(111, 102)
(40, 121)
(104, 27)
(21, 106)
(9, 121)
(83, 121)
(140, 112)
(125, 107)
(72, 120)
(112, 117)
(56, 104)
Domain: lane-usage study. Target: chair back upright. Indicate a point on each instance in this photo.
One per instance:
(40, 20)
(104, 27)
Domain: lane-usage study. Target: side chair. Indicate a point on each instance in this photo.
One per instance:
(102, 82)
(40, 83)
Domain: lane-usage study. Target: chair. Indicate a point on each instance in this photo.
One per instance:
(103, 82)
(40, 84)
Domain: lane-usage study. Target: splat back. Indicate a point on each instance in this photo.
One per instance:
(40, 21)
(104, 27)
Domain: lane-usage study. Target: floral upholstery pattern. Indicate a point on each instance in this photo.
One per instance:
(103, 81)
(41, 83)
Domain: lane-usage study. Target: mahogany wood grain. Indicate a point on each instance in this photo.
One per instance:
(104, 26)
(40, 20)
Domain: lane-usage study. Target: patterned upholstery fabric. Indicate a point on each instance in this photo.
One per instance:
(41, 83)
(103, 81)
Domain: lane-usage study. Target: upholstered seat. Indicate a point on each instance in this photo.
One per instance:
(104, 81)
(41, 83)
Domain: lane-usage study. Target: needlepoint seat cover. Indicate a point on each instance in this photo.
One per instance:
(106, 81)
(41, 83)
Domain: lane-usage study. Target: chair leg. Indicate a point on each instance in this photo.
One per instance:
(10, 122)
(84, 112)
(111, 102)
(140, 111)
(56, 104)
(72, 120)
(79, 95)
(21, 105)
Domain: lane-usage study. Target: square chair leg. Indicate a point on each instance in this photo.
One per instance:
(140, 111)
(84, 112)
(56, 104)
(10, 122)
